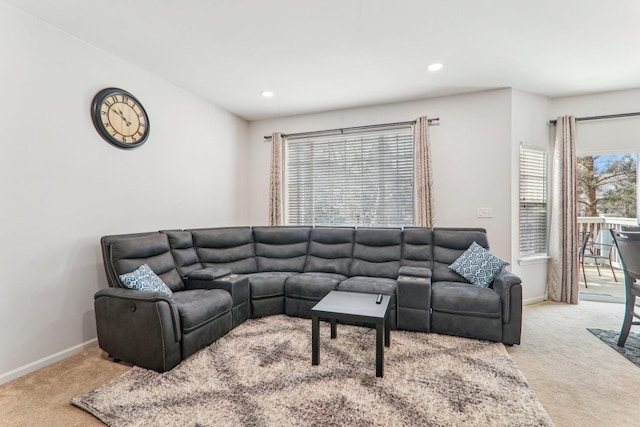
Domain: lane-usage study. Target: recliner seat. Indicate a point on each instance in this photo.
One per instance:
(459, 308)
(327, 264)
(147, 328)
(375, 264)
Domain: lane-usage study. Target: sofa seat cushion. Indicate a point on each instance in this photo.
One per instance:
(370, 285)
(465, 299)
(200, 306)
(312, 286)
(268, 284)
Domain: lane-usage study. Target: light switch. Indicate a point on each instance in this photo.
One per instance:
(485, 213)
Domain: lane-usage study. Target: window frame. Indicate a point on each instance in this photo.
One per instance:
(403, 132)
(537, 251)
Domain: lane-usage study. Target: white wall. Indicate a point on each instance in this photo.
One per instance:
(471, 154)
(530, 126)
(62, 186)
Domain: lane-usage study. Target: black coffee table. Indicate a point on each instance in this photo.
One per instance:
(352, 307)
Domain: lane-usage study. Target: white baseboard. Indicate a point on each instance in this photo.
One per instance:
(533, 300)
(46, 361)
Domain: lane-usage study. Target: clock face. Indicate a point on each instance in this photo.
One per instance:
(120, 118)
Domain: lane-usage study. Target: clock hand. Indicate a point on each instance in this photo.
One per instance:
(119, 112)
(123, 118)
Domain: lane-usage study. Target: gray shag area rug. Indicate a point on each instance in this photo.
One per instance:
(631, 349)
(260, 374)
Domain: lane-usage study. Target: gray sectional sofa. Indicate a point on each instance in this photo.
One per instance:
(222, 276)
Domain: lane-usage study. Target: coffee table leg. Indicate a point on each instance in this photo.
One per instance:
(315, 340)
(387, 332)
(334, 332)
(379, 349)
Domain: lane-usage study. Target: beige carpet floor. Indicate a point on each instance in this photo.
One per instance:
(579, 379)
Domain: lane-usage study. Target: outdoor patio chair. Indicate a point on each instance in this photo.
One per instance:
(628, 244)
(601, 249)
(584, 239)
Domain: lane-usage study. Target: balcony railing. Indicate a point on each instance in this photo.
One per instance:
(595, 224)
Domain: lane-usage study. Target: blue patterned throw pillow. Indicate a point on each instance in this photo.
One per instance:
(478, 265)
(144, 279)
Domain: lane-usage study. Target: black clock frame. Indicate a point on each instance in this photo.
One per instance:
(97, 121)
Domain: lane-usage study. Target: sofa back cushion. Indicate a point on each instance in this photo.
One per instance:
(226, 247)
(184, 254)
(376, 252)
(448, 245)
(330, 250)
(281, 248)
(128, 253)
(417, 247)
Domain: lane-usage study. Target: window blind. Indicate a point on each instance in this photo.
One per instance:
(362, 179)
(533, 202)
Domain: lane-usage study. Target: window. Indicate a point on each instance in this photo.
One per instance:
(533, 202)
(362, 179)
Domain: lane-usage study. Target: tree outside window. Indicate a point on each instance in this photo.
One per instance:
(607, 185)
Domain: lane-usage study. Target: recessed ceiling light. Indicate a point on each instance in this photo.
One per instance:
(435, 66)
(267, 93)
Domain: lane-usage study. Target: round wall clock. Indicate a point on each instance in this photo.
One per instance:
(120, 118)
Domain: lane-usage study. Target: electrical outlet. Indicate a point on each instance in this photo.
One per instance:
(485, 213)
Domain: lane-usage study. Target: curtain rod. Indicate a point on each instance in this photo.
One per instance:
(610, 116)
(432, 122)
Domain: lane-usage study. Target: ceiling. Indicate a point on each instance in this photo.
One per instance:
(333, 54)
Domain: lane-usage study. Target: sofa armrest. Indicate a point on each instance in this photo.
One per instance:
(133, 294)
(236, 284)
(502, 284)
(407, 270)
(208, 273)
(414, 303)
(139, 327)
(206, 278)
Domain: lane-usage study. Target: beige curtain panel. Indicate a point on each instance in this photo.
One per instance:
(423, 189)
(563, 285)
(276, 181)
